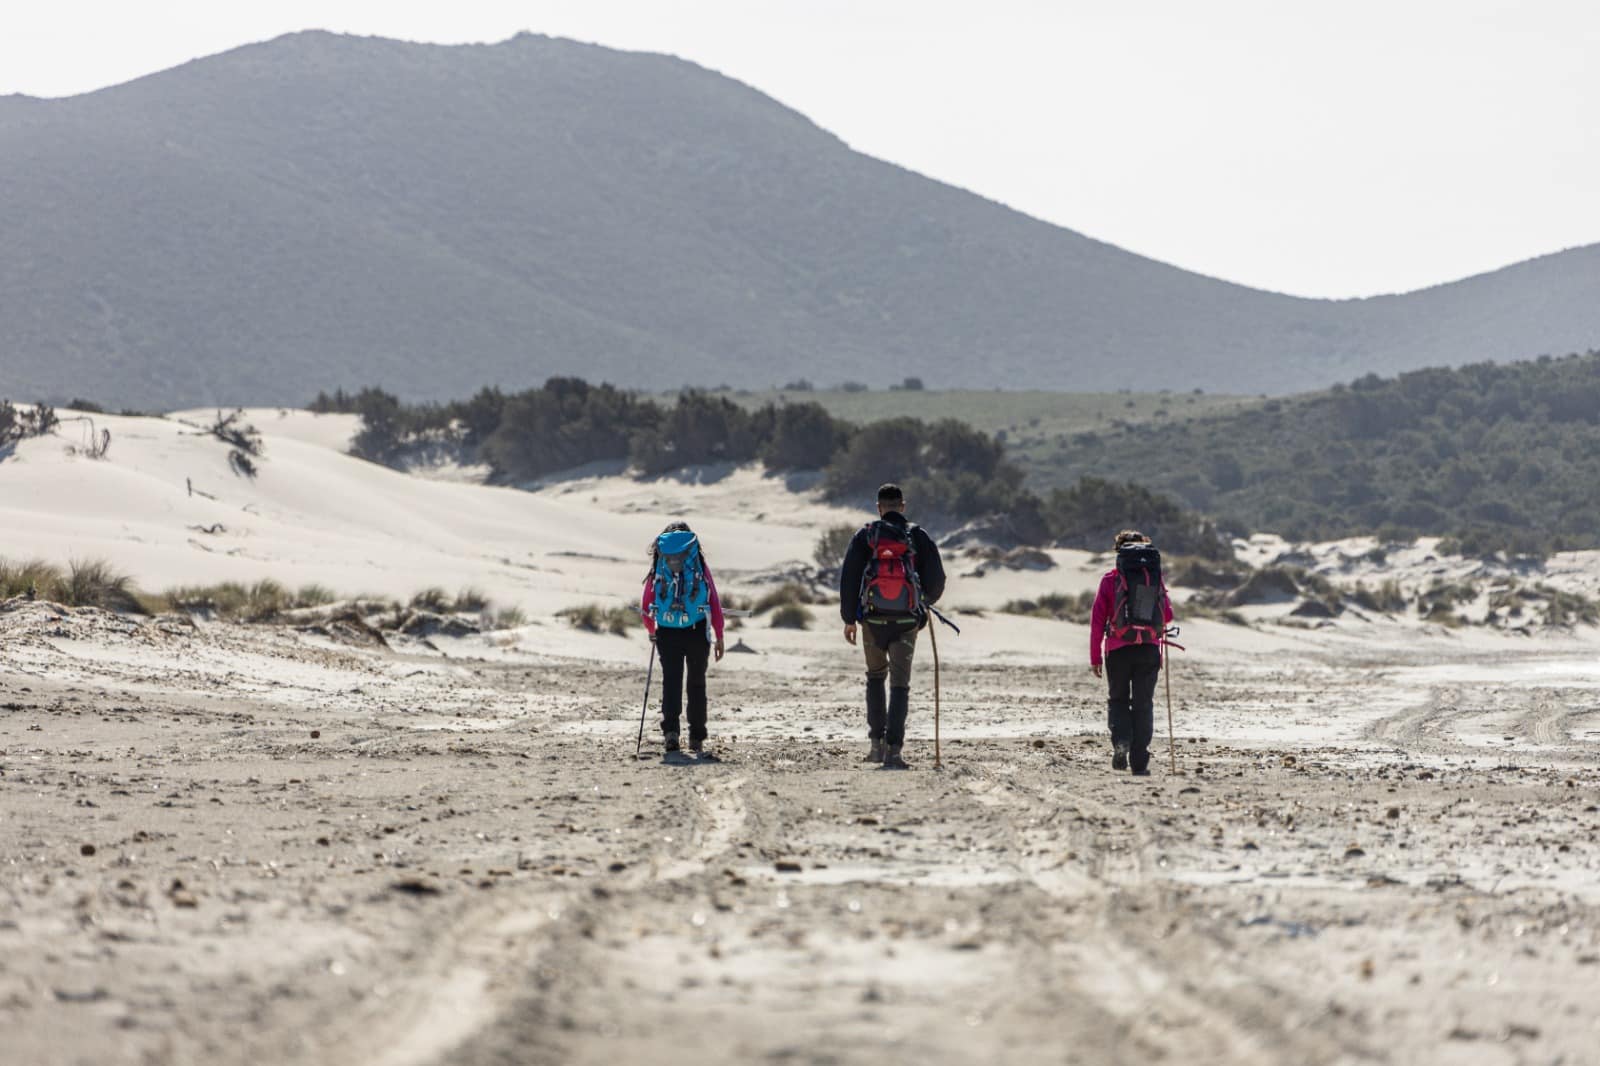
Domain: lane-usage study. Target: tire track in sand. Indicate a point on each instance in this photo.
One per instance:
(479, 967)
(1158, 988)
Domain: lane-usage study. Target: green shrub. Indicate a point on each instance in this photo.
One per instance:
(508, 618)
(93, 583)
(1060, 606)
(315, 596)
(433, 598)
(17, 579)
(786, 595)
(829, 550)
(1387, 598)
(593, 618)
(469, 601)
(791, 616)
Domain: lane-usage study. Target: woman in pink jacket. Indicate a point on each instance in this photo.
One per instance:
(681, 611)
(1132, 654)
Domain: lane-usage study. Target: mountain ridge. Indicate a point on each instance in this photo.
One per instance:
(320, 210)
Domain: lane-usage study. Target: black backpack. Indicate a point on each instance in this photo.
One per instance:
(1136, 613)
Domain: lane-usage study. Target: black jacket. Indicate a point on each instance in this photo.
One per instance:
(930, 568)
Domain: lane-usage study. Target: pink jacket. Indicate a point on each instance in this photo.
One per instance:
(1104, 600)
(649, 598)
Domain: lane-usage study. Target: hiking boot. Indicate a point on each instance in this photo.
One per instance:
(892, 759)
(1119, 758)
(697, 746)
(875, 752)
(669, 743)
(1143, 771)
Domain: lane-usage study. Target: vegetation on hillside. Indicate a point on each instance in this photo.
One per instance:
(951, 471)
(19, 424)
(1496, 457)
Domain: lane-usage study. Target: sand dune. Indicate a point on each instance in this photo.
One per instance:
(1371, 841)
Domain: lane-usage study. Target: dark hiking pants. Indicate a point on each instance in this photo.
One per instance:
(889, 653)
(681, 648)
(1131, 672)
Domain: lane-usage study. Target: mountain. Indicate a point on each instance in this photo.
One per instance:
(320, 211)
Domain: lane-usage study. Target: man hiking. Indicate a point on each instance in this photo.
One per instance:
(891, 574)
(1129, 620)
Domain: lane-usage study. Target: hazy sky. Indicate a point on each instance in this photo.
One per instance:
(1339, 148)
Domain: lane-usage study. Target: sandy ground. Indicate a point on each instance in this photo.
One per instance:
(251, 845)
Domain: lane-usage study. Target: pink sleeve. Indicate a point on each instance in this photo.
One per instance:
(646, 601)
(1166, 602)
(716, 604)
(1097, 620)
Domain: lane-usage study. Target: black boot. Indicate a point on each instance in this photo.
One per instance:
(894, 736)
(1119, 757)
(877, 716)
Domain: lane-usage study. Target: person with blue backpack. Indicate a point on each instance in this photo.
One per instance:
(1127, 631)
(683, 615)
(890, 577)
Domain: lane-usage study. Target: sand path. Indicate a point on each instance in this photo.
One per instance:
(1362, 860)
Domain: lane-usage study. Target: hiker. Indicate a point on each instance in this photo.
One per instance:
(1130, 618)
(891, 574)
(680, 599)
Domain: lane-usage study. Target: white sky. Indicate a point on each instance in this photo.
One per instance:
(1332, 148)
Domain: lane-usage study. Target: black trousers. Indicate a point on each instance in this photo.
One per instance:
(683, 651)
(1132, 672)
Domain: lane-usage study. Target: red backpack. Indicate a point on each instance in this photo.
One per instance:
(889, 587)
(1136, 615)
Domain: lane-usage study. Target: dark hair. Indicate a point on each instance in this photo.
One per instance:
(655, 548)
(1131, 536)
(889, 492)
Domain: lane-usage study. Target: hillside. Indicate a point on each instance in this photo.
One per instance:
(321, 211)
(1499, 456)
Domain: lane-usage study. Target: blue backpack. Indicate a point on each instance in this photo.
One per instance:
(682, 596)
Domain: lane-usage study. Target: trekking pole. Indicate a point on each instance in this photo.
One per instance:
(933, 635)
(638, 749)
(1166, 670)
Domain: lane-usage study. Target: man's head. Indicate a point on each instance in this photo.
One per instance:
(1129, 537)
(890, 498)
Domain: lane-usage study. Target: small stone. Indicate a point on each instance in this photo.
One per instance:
(786, 866)
(86, 849)
(316, 733)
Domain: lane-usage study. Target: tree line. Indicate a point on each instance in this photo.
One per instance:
(952, 472)
(1496, 457)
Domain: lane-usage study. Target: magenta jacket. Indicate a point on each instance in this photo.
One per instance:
(649, 598)
(1104, 600)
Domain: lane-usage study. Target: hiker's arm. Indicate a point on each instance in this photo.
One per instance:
(1097, 624)
(1166, 604)
(715, 607)
(646, 608)
(930, 569)
(855, 562)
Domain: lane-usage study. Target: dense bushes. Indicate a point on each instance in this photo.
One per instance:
(951, 472)
(18, 425)
(1499, 457)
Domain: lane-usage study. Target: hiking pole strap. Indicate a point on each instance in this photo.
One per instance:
(935, 612)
